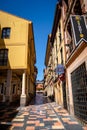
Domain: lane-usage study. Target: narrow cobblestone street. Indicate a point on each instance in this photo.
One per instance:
(41, 114)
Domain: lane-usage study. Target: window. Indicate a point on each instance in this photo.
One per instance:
(61, 52)
(66, 1)
(1, 88)
(13, 91)
(77, 8)
(3, 57)
(60, 37)
(86, 20)
(70, 37)
(6, 32)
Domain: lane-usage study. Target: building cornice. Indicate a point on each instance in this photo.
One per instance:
(75, 53)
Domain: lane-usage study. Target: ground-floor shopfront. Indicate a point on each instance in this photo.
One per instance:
(77, 86)
(60, 93)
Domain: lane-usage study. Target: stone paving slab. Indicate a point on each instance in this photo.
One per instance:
(69, 122)
(48, 116)
(34, 118)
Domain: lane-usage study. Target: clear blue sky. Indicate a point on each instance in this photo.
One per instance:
(41, 13)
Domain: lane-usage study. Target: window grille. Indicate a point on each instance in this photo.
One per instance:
(79, 90)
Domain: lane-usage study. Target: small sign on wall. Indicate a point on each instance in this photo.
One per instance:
(59, 69)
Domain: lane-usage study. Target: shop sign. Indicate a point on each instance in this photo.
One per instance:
(79, 28)
(59, 69)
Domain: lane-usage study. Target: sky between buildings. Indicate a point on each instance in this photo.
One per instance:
(41, 13)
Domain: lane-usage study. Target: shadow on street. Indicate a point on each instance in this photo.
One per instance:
(9, 111)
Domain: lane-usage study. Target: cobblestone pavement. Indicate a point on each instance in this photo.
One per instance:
(39, 115)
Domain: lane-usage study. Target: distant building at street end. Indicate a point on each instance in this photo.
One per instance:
(17, 59)
(39, 86)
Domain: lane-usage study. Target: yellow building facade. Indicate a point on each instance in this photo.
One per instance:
(17, 50)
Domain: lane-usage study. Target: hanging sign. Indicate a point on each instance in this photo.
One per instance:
(79, 28)
(62, 77)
